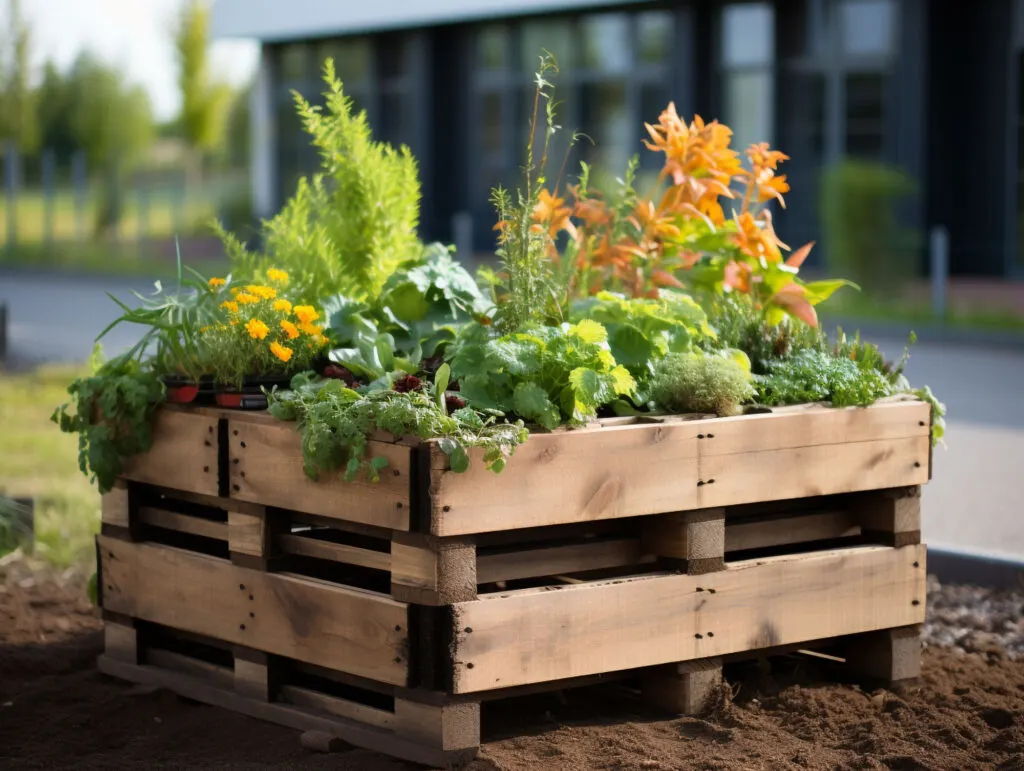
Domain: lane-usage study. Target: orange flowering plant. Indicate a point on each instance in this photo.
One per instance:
(706, 225)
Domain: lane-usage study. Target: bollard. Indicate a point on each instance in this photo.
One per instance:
(462, 235)
(939, 258)
(3, 333)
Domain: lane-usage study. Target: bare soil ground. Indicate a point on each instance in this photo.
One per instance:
(58, 711)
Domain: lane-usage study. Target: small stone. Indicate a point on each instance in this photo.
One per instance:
(321, 741)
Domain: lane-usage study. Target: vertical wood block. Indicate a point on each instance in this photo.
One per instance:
(891, 516)
(432, 571)
(252, 674)
(115, 505)
(247, 534)
(892, 656)
(683, 688)
(121, 642)
(694, 540)
(443, 727)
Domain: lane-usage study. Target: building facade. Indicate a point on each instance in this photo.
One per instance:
(934, 88)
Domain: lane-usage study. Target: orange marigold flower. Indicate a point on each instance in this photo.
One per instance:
(230, 305)
(290, 329)
(282, 305)
(277, 276)
(306, 313)
(246, 298)
(553, 212)
(284, 353)
(257, 329)
(216, 282)
(265, 292)
(310, 329)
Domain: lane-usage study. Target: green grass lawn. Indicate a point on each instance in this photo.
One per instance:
(38, 461)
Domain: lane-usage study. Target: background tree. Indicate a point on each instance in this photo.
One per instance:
(18, 119)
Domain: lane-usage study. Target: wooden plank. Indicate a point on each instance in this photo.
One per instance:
(115, 505)
(183, 523)
(339, 627)
(266, 467)
(247, 534)
(786, 531)
(121, 641)
(359, 734)
(444, 726)
(651, 469)
(177, 662)
(156, 496)
(337, 552)
(432, 571)
(533, 635)
(183, 455)
(305, 697)
(552, 560)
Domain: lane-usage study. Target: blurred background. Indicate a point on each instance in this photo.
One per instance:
(127, 124)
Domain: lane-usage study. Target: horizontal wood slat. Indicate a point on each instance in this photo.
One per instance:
(305, 697)
(356, 631)
(183, 455)
(622, 471)
(786, 531)
(183, 523)
(537, 635)
(265, 463)
(337, 552)
(552, 560)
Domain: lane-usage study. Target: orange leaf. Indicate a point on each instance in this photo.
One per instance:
(796, 259)
(664, 278)
(792, 298)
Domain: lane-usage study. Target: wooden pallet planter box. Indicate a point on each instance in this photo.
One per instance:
(386, 613)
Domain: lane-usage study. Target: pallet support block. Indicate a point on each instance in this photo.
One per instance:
(889, 656)
(693, 541)
(121, 640)
(892, 517)
(253, 674)
(440, 726)
(115, 505)
(432, 571)
(684, 688)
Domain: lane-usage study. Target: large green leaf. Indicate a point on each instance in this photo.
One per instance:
(630, 346)
(819, 291)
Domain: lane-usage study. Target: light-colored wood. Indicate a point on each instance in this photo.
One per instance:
(176, 662)
(695, 537)
(535, 635)
(211, 501)
(432, 571)
(552, 560)
(895, 515)
(785, 531)
(121, 642)
(685, 687)
(183, 523)
(621, 471)
(252, 678)
(299, 718)
(360, 632)
(183, 455)
(445, 727)
(304, 697)
(890, 655)
(337, 552)
(269, 471)
(115, 505)
(247, 534)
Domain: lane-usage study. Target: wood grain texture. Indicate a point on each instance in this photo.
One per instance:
(786, 531)
(536, 635)
(432, 571)
(115, 505)
(176, 662)
(247, 533)
(336, 552)
(183, 455)
(445, 727)
(333, 705)
(356, 631)
(695, 539)
(265, 462)
(621, 471)
(552, 560)
(183, 523)
(684, 688)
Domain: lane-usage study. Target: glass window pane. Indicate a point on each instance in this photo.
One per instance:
(394, 55)
(654, 98)
(607, 122)
(867, 27)
(748, 107)
(293, 64)
(864, 115)
(654, 31)
(351, 59)
(492, 114)
(492, 48)
(748, 35)
(606, 42)
(555, 37)
(396, 120)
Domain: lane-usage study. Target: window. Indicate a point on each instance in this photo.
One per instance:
(606, 45)
(865, 127)
(748, 56)
(654, 31)
(867, 27)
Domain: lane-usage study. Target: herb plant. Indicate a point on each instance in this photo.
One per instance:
(701, 383)
(818, 376)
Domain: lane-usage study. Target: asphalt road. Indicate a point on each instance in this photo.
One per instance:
(974, 500)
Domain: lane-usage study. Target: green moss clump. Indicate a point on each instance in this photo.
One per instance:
(687, 383)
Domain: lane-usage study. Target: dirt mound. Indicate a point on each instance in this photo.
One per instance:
(56, 710)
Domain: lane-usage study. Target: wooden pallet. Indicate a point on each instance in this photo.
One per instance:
(385, 614)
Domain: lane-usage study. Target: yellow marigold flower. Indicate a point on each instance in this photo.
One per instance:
(257, 329)
(277, 276)
(216, 282)
(246, 298)
(282, 352)
(310, 329)
(282, 305)
(290, 329)
(235, 290)
(230, 305)
(306, 313)
(266, 292)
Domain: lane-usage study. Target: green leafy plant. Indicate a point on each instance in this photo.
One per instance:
(348, 227)
(111, 411)
(336, 423)
(818, 376)
(547, 375)
(13, 531)
(709, 383)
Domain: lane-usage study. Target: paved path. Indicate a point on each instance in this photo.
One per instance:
(976, 498)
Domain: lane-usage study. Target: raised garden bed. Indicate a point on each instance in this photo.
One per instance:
(385, 612)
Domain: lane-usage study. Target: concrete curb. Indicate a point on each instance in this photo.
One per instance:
(958, 566)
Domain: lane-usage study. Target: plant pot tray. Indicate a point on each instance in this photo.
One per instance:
(386, 614)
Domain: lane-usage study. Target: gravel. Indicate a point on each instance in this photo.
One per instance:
(975, 619)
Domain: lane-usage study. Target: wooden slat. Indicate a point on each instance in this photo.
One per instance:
(785, 531)
(177, 662)
(121, 641)
(536, 635)
(115, 505)
(337, 552)
(305, 697)
(356, 631)
(269, 471)
(574, 558)
(183, 455)
(247, 533)
(183, 523)
(649, 469)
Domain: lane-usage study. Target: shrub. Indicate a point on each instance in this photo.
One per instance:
(689, 383)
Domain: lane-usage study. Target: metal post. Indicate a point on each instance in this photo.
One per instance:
(3, 333)
(939, 258)
(80, 182)
(462, 234)
(49, 162)
(11, 188)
